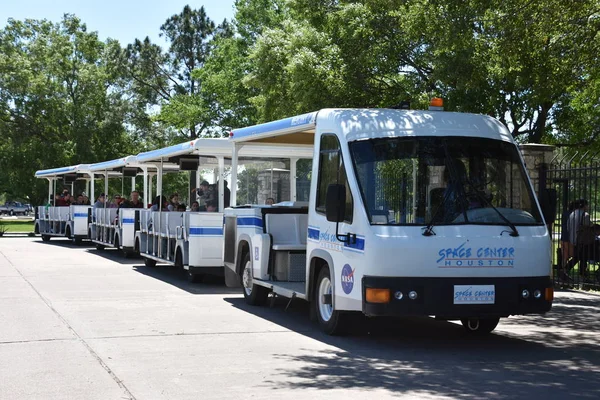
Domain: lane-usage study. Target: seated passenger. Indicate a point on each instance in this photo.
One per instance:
(269, 201)
(173, 202)
(100, 201)
(181, 207)
(211, 206)
(116, 201)
(453, 200)
(64, 200)
(195, 206)
(159, 204)
(135, 201)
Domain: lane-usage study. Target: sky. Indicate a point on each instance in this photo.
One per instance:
(124, 20)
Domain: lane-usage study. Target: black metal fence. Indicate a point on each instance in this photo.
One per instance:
(575, 176)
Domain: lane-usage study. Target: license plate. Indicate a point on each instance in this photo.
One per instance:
(474, 294)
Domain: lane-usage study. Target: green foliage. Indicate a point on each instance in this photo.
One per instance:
(247, 192)
(61, 102)
(530, 64)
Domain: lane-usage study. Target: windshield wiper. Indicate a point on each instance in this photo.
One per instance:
(512, 226)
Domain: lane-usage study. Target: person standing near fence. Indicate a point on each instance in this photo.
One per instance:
(582, 235)
(567, 249)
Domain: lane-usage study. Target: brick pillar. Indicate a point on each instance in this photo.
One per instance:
(534, 156)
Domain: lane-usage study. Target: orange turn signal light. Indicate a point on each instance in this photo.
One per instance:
(437, 102)
(378, 295)
(549, 294)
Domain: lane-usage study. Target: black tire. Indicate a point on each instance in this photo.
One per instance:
(45, 238)
(116, 243)
(480, 326)
(100, 247)
(331, 321)
(68, 233)
(194, 277)
(254, 294)
(77, 241)
(150, 263)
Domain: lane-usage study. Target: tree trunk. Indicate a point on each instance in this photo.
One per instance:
(540, 124)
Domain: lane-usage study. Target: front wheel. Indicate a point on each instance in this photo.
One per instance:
(100, 247)
(254, 294)
(46, 238)
(480, 326)
(332, 322)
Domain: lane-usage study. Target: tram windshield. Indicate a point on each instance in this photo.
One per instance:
(443, 181)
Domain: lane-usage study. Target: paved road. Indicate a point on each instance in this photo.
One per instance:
(80, 324)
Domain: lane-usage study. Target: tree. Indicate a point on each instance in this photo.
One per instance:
(529, 64)
(164, 80)
(61, 103)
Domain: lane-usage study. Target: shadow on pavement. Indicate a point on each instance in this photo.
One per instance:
(425, 357)
(116, 255)
(63, 242)
(209, 285)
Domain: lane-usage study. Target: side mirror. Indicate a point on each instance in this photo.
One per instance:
(335, 205)
(548, 201)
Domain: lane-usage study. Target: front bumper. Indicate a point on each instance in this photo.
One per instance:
(435, 296)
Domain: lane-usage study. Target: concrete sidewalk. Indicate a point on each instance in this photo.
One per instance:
(76, 323)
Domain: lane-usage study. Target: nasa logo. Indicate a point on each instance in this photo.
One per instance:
(347, 279)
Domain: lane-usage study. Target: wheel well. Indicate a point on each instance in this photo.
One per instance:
(36, 227)
(243, 249)
(316, 264)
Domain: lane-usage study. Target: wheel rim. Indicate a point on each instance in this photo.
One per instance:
(247, 279)
(326, 310)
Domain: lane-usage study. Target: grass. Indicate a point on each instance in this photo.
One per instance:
(17, 226)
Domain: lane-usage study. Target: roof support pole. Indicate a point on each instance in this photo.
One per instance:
(150, 198)
(92, 194)
(145, 170)
(106, 197)
(234, 167)
(133, 183)
(50, 199)
(159, 177)
(221, 188)
(293, 162)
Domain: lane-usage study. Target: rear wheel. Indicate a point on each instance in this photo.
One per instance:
(254, 294)
(194, 277)
(150, 263)
(331, 321)
(46, 238)
(100, 247)
(77, 241)
(479, 326)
